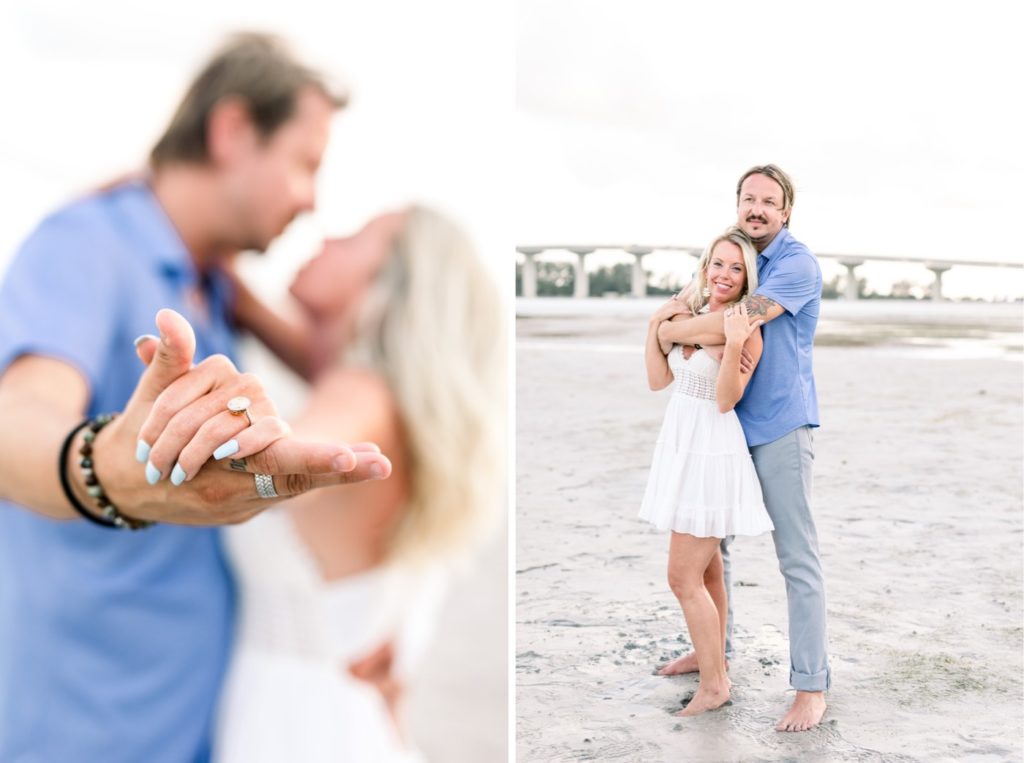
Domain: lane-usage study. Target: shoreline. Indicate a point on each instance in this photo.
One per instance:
(937, 330)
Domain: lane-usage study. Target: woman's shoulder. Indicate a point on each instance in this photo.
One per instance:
(351, 380)
(350, 402)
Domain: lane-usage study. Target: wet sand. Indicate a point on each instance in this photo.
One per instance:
(918, 500)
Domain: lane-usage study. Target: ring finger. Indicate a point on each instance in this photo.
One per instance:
(185, 425)
(223, 436)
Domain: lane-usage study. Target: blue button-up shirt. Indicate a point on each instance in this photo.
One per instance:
(781, 396)
(112, 643)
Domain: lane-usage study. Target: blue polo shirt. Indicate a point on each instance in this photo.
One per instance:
(781, 396)
(112, 643)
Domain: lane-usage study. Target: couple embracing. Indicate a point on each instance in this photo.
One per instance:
(289, 635)
(735, 451)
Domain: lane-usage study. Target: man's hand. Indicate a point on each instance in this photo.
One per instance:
(376, 669)
(177, 417)
(673, 307)
(746, 359)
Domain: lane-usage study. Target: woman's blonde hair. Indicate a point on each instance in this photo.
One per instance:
(431, 324)
(698, 296)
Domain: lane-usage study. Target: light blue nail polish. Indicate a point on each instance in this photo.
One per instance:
(229, 448)
(177, 475)
(142, 452)
(152, 474)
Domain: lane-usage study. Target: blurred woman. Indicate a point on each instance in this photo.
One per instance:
(338, 589)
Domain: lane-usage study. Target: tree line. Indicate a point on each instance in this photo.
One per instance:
(559, 279)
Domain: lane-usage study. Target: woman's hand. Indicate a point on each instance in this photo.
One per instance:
(178, 418)
(190, 422)
(737, 325)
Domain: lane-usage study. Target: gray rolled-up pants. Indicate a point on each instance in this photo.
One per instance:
(784, 470)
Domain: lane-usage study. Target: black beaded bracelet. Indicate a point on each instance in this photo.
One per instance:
(111, 517)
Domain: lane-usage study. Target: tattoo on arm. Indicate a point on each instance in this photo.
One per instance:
(237, 464)
(758, 305)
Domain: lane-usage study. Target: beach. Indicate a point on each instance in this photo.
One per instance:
(918, 503)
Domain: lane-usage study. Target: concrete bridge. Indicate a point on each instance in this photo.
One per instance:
(638, 282)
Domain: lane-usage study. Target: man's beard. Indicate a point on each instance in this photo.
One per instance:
(762, 239)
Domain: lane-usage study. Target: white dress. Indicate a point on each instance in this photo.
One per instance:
(702, 479)
(288, 694)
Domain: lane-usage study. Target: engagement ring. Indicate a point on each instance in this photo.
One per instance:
(238, 406)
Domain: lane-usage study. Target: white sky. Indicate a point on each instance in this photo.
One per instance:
(630, 121)
(88, 88)
(899, 121)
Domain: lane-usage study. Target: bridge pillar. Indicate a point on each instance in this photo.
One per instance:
(529, 269)
(850, 284)
(638, 281)
(582, 283)
(938, 269)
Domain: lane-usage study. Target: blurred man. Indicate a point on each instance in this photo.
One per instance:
(113, 642)
(778, 411)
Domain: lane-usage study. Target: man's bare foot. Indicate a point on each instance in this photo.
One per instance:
(685, 664)
(806, 712)
(706, 699)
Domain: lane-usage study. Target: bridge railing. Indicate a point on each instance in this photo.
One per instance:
(638, 278)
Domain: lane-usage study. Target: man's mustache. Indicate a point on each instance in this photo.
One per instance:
(759, 219)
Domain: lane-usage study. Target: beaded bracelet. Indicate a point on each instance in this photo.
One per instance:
(111, 517)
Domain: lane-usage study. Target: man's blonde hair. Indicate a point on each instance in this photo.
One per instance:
(780, 177)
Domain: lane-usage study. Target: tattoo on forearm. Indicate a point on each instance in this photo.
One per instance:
(237, 464)
(758, 305)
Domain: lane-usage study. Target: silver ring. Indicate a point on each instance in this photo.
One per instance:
(240, 405)
(265, 486)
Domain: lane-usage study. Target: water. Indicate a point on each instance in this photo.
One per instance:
(939, 330)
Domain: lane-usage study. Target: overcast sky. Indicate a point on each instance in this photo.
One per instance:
(899, 122)
(88, 87)
(572, 121)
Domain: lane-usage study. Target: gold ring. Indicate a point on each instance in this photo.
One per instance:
(238, 406)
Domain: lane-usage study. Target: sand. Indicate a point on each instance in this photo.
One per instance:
(918, 500)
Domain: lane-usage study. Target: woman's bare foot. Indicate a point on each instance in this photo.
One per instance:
(706, 699)
(685, 664)
(806, 712)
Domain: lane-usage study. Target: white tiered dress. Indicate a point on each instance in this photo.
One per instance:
(702, 479)
(288, 694)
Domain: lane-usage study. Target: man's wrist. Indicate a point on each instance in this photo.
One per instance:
(73, 470)
(81, 481)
